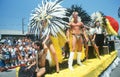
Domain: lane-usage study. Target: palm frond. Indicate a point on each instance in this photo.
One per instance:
(82, 13)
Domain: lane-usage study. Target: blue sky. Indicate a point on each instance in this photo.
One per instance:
(12, 11)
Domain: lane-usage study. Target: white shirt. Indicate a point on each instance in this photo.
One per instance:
(99, 30)
(13, 51)
(92, 31)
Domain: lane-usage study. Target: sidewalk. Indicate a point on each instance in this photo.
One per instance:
(8, 73)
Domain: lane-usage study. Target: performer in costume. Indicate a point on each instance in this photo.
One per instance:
(110, 24)
(91, 34)
(47, 42)
(47, 22)
(76, 31)
(100, 32)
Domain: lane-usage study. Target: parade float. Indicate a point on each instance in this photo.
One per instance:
(93, 67)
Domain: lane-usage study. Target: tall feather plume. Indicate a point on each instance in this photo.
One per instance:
(53, 13)
(98, 16)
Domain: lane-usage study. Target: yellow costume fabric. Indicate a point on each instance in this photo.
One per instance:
(109, 28)
(58, 43)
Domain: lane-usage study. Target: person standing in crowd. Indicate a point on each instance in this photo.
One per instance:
(2, 62)
(76, 31)
(13, 55)
(22, 52)
(7, 55)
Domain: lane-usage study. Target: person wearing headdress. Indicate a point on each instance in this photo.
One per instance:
(47, 22)
(105, 25)
(100, 31)
(76, 30)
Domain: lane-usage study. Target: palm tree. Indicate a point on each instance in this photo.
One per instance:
(82, 13)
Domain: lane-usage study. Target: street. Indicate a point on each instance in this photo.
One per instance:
(8, 73)
(116, 72)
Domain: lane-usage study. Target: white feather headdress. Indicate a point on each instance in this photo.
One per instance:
(97, 16)
(53, 13)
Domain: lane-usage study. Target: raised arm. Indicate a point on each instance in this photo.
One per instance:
(44, 41)
(85, 34)
(31, 65)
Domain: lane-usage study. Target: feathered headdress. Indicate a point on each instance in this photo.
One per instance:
(97, 16)
(51, 12)
(82, 14)
(71, 18)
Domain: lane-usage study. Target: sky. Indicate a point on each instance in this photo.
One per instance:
(13, 11)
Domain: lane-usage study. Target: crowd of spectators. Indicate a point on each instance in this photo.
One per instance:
(15, 52)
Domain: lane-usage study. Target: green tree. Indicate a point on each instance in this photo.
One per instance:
(82, 13)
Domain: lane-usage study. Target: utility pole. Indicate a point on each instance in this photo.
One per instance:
(119, 12)
(23, 25)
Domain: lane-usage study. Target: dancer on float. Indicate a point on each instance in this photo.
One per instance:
(91, 34)
(76, 27)
(47, 42)
(47, 23)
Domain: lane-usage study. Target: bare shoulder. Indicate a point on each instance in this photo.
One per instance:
(81, 23)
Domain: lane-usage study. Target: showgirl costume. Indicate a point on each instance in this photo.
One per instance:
(53, 13)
